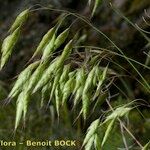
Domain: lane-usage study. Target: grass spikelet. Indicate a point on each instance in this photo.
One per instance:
(97, 143)
(22, 78)
(56, 81)
(108, 130)
(58, 95)
(55, 43)
(86, 92)
(64, 77)
(79, 85)
(80, 79)
(101, 81)
(91, 131)
(119, 112)
(46, 38)
(66, 52)
(89, 80)
(49, 49)
(89, 145)
(96, 76)
(22, 105)
(94, 60)
(68, 87)
(78, 95)
(26, 98)
(8, 45)
(46, 76)
(45, 92)
(85, 104)
(35, 77)
(61, 38)
(20, 20)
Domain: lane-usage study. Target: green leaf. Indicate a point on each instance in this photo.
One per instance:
(101, 79)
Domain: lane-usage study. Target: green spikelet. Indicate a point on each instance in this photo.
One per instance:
(19, 110)
(58, 95)
(8, 45)
(91, 131)
(56, 81)
(35, 77)
(65, 54)
(89, 145)
(26, 98)
(108, 130)
(46, 76)
(22, 78)
(80, 79)
(78, 95)
(101, 79)
(49, 49)
(118, 112)
(65, 73)
(45, 92)
(61, 38)
(22, 106)
(68, 87)
(97, 143)
(20, 20)
(45, 40)
(86, 92)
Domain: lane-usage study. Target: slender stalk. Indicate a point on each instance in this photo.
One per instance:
(123, 137)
